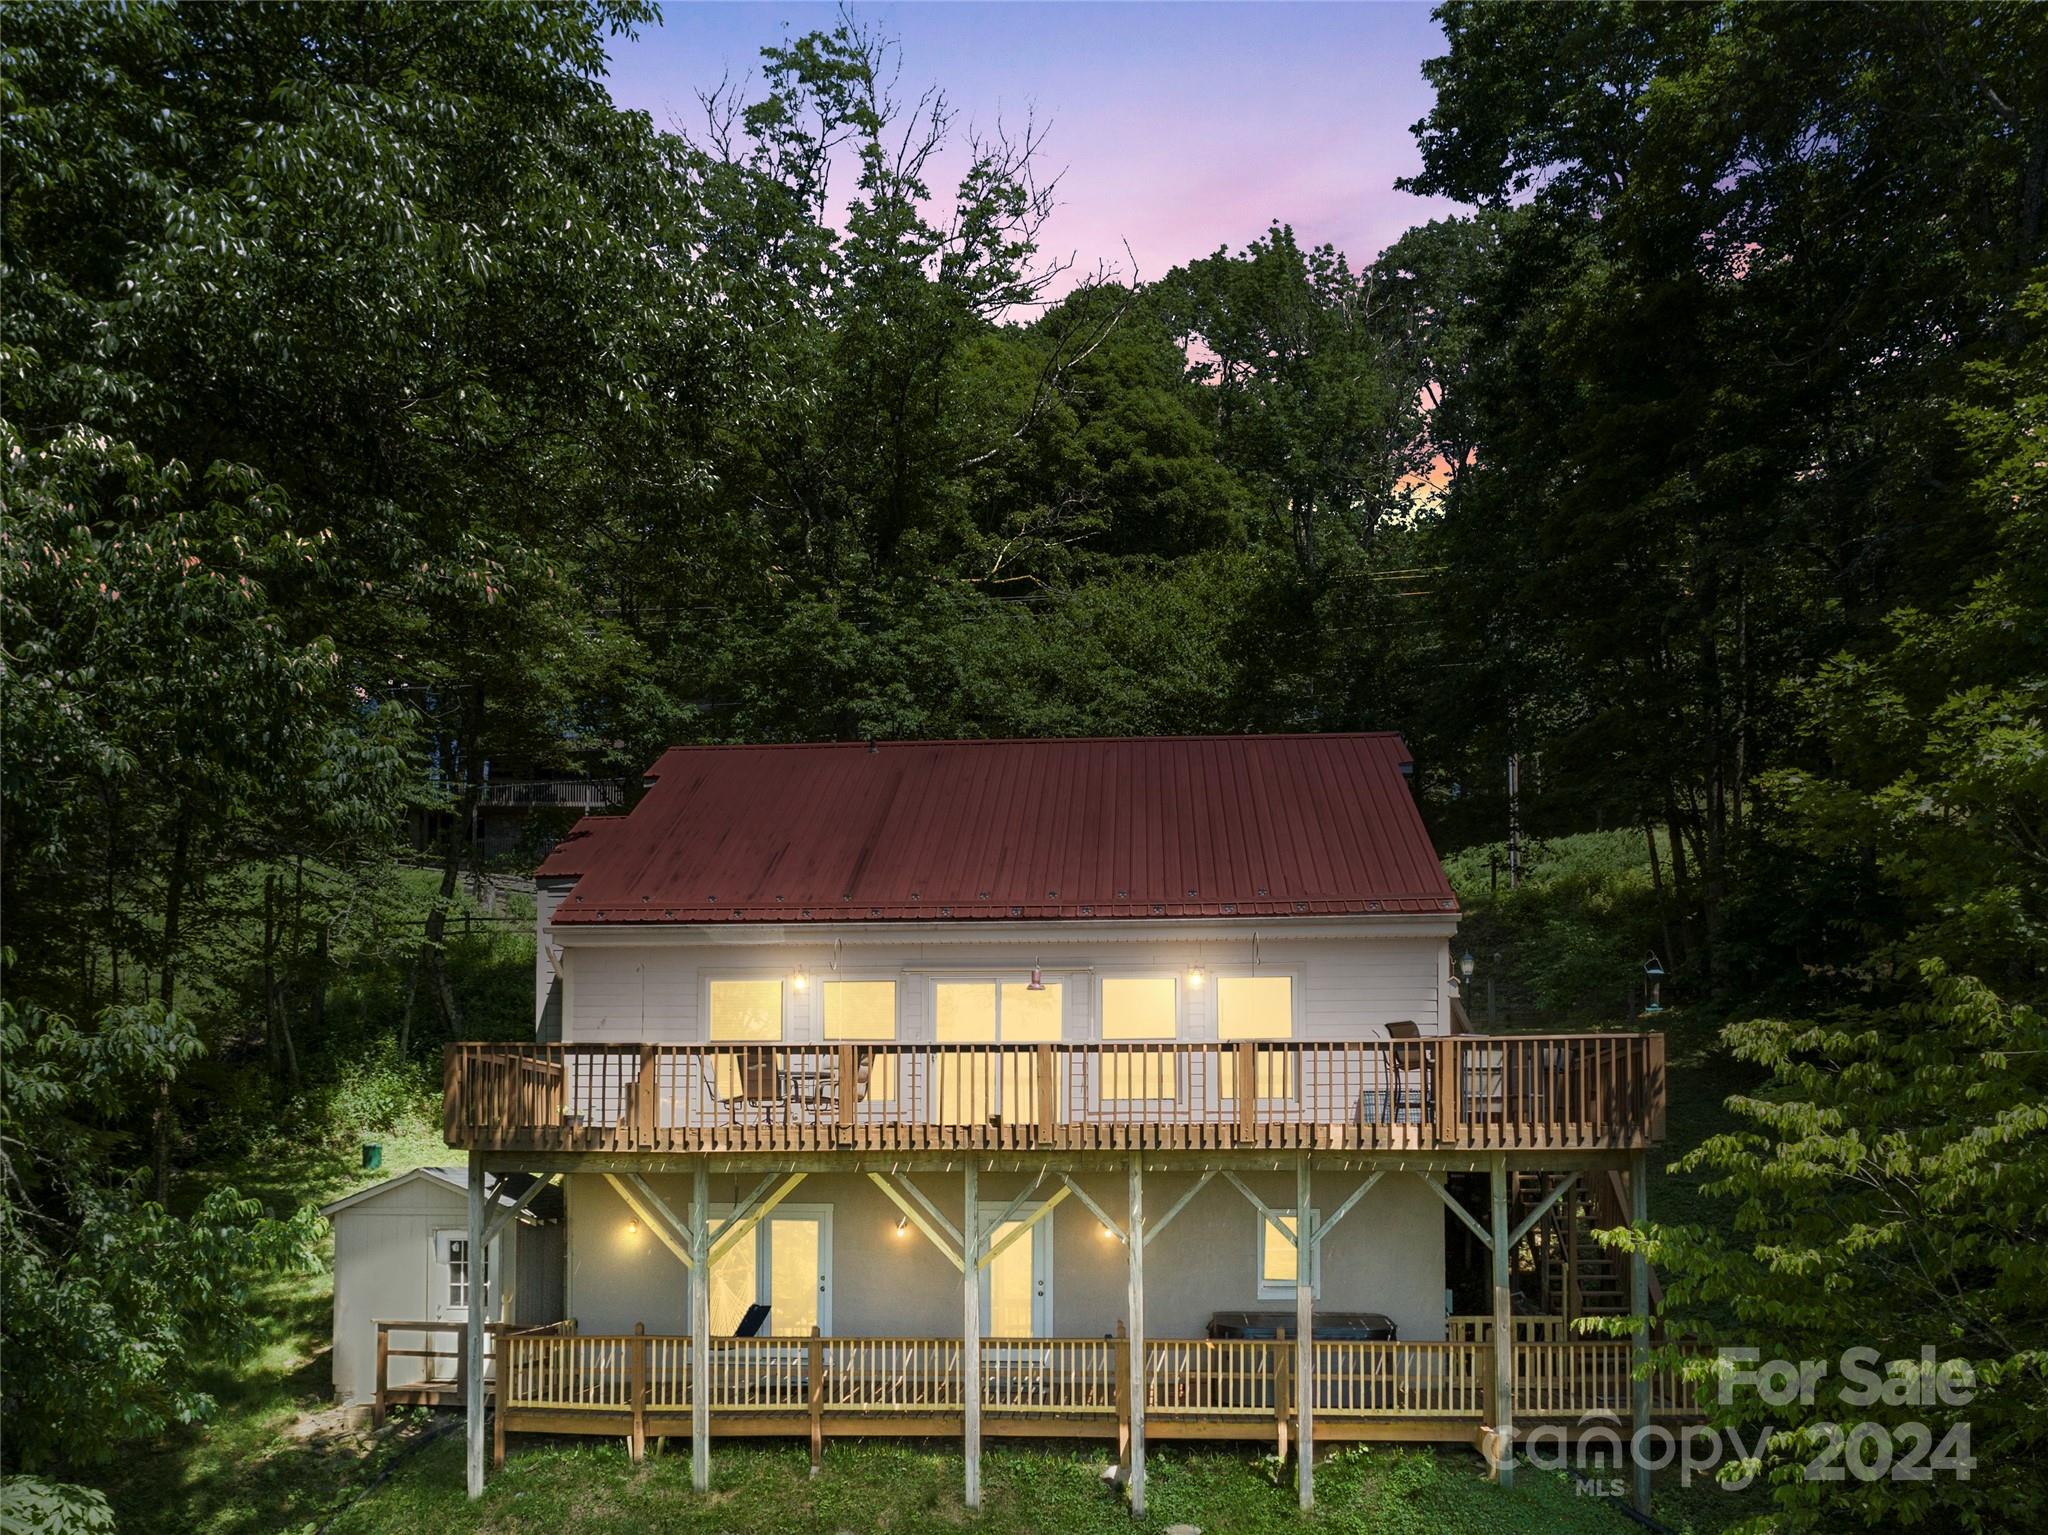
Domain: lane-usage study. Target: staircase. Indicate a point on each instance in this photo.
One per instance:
(1560, 1262)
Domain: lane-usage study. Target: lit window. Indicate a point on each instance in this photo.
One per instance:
(865, 1010)
(746, 1013)
(1278, 1259)
(1138, 1008)
(972, 1082)
(1257, 1007)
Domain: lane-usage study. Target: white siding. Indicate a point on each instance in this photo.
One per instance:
(1348, 987)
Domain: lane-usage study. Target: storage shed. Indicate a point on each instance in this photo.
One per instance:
(401, 1255)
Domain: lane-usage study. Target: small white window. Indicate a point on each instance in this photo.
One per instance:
(1278, 1257)
(458, 1273)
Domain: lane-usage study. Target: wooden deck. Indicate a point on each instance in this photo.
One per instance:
(638, 1386)
(1467, 1093)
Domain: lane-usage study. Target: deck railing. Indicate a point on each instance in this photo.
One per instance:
(1466, 1092)
(641, 1384)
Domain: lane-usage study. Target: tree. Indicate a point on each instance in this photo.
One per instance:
(1742, 269)
(1888, 1191)
(1308, 402)
(110, 1303)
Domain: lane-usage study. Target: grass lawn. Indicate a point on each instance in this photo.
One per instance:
(765, 1489)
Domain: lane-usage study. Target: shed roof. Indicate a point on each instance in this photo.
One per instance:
(1184, 826)
(500, 1188)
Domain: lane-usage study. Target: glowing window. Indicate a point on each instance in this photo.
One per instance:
(1138, 1008)
(1257, 1007)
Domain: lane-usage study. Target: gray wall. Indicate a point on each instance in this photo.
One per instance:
(1388, 1255)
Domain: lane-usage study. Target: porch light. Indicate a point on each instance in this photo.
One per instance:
(800, 978)
(632, 1228)
(1196, 977)
(1037, 981)
(902, 1225)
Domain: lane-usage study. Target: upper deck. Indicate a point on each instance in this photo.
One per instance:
(1454, 1093)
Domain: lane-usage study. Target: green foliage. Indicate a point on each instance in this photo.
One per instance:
(31, 1506)
(106, 1297)
(1887, 1193)
(1566, 949)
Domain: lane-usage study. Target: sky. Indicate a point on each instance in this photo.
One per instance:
(1178, 128)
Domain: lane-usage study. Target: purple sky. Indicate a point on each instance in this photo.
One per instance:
(1180, 127)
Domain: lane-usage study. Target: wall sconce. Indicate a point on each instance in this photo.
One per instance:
(902, 1225)
(1037, 981)
(632, 1228)
(800, 978)
(1103, 1228)
(1196, 976)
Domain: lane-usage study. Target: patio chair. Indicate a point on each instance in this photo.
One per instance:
(1398, 1098)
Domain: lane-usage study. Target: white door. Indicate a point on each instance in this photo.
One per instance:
(1016, 1287)
(448, 1278)
(785, 1264)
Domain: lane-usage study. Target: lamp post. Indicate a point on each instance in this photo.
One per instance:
(1653, 973)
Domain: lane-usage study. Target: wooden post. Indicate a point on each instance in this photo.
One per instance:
(498, 1411)
(1639, 1303)
(1305, 1337)
(1283, 1389)
(473, 1329)
(700, 1329)
(1503, 1333)
(1446, 1122)
(849, 1090)
(636, 1384)
(377, 1408)
(644, 1101)
(815, 1380)
(1247, 1092)
(1134, 1245)
(970, 1334)
(1121, 1368)
(1570, 1307)
(1048, 1109)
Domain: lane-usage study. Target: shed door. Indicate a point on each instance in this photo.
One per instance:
(449, 1280)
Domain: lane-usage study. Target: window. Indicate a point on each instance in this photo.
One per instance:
(971, 1082)
(1278, 1258)
(458, 1273)
(744, 1013)
(865, 1010)
(1257, 1007)
(1142, 1007)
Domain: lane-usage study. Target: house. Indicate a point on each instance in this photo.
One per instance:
(402, 1280)
(1042, 1087)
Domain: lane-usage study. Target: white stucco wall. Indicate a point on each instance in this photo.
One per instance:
(1388, 1255)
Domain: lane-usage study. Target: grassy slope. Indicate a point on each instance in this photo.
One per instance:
(766, 1490)
(257, 1468)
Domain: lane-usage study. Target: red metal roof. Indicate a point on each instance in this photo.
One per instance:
(576, 853)
(1187, 826)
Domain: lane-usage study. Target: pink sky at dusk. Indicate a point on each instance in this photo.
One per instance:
(1180, 127)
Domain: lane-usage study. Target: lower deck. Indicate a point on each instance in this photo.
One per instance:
(641, 1386)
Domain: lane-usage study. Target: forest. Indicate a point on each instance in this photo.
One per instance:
(385, 411)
